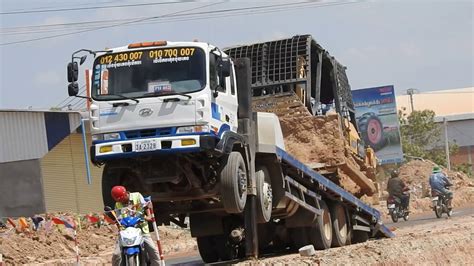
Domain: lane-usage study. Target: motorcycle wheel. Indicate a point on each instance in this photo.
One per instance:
(450, 212)
(438, 211)
(132, 260)
(405, 216)
(394, 216)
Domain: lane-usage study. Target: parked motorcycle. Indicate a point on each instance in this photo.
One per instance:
(395, 209)
(440, 204)
(131, 238)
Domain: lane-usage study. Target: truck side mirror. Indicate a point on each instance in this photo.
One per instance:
(225, 67)
(72, 72)
(73, 89)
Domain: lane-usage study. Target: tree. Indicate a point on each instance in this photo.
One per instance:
(421, 136)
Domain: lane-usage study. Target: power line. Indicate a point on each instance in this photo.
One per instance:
(186, 17)
(104, 27)
(91, 7)
(182, 17)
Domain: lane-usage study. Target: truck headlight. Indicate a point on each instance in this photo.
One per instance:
(192, 129)
(111, 136)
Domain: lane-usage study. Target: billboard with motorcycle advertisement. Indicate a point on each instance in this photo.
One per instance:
(376, 115)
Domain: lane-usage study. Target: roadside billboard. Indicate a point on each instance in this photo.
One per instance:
(377, 119)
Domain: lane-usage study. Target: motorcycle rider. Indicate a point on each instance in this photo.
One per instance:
(439, 183)
(124, 199)
(396, 188)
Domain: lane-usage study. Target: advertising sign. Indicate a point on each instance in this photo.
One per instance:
(376, 115)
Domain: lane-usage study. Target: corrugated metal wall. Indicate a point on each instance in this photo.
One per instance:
(22, 136)
(64, 178)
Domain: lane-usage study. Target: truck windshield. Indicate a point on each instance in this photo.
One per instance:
(149, 73)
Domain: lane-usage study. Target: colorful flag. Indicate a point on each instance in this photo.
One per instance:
(23, 223)
(36, 222)
(70, 224)
(92, 219)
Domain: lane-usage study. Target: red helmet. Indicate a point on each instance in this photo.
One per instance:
(119, 193)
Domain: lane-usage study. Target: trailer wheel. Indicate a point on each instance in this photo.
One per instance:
(264, 195)
(339, 225)
(321, 234)
(207, 250)
(234, 184)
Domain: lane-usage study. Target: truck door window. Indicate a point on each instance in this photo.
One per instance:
(213, 73)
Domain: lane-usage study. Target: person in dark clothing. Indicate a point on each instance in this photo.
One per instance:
(397, 188)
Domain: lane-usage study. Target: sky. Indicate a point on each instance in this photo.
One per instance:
(426, 45)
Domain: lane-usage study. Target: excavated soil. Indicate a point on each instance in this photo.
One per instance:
(416, 174)
(446, 242)
(57, 246)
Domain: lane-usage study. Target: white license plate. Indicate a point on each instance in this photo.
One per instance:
(434, 198)
(391, 206)
(146, 145)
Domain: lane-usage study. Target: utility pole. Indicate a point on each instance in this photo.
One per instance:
(410, 92)
(446, 142)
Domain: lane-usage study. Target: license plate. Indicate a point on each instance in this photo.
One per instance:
(434, 198)
(391, 206)
(146, 145)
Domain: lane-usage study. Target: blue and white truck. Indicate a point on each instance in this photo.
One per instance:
(174, 120)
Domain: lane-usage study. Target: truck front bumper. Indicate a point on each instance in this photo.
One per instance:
(103, 151)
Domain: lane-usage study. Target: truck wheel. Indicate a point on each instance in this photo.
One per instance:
(207, 250)
(110, 179)
(264, 195)
(234, 184)
(321, 234)
(371, 130)
(339, 225)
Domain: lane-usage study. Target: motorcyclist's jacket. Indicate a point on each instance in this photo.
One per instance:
(438, 182)
(137, 201)
(395, 187)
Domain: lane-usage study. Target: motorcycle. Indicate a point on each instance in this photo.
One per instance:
(131, 239)
(395, 209)
(440, 204)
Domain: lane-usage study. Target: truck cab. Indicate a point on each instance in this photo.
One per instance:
(160, 96)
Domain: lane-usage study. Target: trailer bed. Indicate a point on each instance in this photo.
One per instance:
(335, 191)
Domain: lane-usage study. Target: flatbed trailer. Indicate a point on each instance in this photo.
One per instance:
(296, 170)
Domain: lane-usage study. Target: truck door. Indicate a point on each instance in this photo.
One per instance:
(224, 106)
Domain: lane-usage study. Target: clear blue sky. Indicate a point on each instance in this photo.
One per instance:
(427, 45)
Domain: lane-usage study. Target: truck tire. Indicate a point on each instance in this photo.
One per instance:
(321, 234)
(371, 130)
(264, 195)
(339, 225)
(234, 184)
(110, 179)
(207, 250)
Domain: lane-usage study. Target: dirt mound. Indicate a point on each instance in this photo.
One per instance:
(416, 175)
(445, 242)
(57, 244)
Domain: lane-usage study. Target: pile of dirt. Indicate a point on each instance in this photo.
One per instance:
(416, 175)
(57, 244)
(446, 242)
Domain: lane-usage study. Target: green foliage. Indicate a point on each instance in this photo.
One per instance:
(465, 168)
(421, 136)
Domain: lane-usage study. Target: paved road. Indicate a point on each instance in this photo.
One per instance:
(422, 218)
(429, 217)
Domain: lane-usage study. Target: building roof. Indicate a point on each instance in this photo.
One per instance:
(442, 102)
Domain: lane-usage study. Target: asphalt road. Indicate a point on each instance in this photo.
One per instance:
(422, 218)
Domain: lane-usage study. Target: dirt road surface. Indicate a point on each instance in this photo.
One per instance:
(423, 239)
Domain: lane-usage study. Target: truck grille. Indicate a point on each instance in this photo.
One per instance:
(147, 133)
